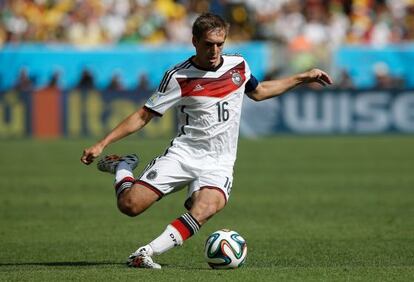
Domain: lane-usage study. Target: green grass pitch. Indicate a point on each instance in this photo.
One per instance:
(310, 209)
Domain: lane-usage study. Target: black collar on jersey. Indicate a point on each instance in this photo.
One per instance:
(206, 69)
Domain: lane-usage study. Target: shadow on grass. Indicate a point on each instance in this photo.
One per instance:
(75, 264)
(63, 263)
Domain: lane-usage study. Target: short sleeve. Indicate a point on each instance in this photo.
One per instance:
(166, 97)
(251, 84)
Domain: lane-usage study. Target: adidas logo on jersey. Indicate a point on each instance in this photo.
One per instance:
(198, 87)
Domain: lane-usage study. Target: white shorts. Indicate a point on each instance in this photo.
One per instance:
(169, 174)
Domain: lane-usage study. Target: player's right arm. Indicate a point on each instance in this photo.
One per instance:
(168, 94)
(131, 124)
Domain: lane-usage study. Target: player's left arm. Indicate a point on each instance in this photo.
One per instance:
(271, 88)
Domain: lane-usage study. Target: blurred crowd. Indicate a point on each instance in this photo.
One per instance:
(26, 83)
(383, 79)
(308, 30)
(298, 23)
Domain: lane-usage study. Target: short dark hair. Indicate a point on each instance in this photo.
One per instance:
(207, 22)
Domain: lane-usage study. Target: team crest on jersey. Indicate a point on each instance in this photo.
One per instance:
(236, 77)
(152, 174)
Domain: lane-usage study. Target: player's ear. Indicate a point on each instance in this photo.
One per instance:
(194, 41)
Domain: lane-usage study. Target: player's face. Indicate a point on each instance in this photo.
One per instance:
(209, 48)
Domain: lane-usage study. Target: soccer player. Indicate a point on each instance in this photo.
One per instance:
(208, 90)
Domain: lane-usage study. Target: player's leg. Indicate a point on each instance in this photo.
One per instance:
(136, 199)
(207, 195)
(206, 203)
(132, 198)
(162, 176)
(208, 192)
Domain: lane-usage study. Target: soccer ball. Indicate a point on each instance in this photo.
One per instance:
(225, 249)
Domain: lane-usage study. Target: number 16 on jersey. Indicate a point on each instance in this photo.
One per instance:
(222, 111)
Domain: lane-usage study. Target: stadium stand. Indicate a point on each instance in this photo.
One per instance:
(90, 22)
(309, 31)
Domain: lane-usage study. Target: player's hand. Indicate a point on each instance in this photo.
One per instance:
(317, 75)
(91, 153)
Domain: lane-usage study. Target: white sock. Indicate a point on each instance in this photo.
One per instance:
(169, 239)
(147, 249)
(123, 170)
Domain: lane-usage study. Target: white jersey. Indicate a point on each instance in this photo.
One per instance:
(209, 106)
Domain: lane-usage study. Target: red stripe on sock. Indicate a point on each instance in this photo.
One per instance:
(182, 229)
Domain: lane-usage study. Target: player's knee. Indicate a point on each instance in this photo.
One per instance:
(130, 207)
(203, 210)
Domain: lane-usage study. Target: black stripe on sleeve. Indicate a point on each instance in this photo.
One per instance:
(163, 80)
(167, 77)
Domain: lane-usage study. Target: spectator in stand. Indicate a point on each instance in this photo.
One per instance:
(143, 88)
(52, 86)
(54, 81)
(384, 79)
(178, 29)
(86, 82)
(3, 34)
(289, 21)
(408, 23)
(24, 83)
(344, 81)
(91, 22)
(115, 84)
(311, 29)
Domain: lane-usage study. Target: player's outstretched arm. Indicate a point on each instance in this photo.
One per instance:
(272, 88)
(131, 124)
